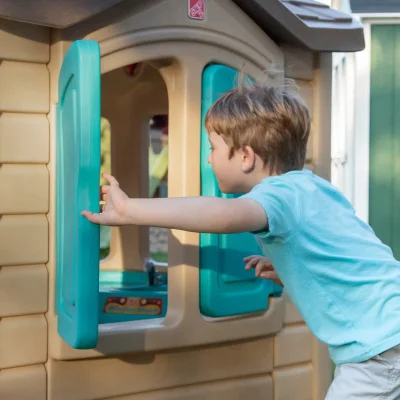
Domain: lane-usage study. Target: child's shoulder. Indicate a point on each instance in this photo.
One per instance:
(302, 185)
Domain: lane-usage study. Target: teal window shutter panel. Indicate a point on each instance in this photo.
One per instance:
(77, 188)
(226, 288)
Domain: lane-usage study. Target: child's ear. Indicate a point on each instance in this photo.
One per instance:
(248, 159)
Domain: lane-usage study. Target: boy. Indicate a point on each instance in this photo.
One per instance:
(342, 279)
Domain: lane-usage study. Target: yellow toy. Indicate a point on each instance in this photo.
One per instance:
(153, 57)
(158, 164)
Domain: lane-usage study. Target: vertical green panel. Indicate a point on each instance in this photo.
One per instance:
(396, 152)
(384, 189)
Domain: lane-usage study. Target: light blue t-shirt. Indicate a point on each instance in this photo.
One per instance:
(343, 280)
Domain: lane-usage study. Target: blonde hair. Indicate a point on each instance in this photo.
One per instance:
(272, 120)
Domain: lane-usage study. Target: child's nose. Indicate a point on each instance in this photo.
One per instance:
(209, 159)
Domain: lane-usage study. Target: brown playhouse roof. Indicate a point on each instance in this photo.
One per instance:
(305, 23)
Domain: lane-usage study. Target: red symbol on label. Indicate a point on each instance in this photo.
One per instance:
(197, 9)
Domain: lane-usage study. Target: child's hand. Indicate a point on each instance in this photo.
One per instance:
(263, 268)
(114, 211)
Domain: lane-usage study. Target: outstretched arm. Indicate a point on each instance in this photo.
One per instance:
(195, 214)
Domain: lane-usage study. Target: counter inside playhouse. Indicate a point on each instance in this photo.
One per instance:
(118, 123)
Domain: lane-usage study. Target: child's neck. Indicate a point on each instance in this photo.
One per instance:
(257, 176)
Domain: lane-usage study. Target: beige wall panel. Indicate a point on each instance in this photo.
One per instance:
(23, 341)
(307, 93)
(23, 290)
(322, 85)
(293, 383)
(24, 383)
(27, 189)
(24, 42)
(24, 87)
(291, 313)
(309, 150)
(323, 369)
(23, 239)
(148, 371)
(258, 388)
(293, 345)
(24, 138)
(299, 63)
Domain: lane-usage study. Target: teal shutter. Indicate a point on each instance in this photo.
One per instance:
(77, 188)
(226, 288)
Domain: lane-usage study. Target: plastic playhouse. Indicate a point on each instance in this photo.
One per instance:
(138, 313)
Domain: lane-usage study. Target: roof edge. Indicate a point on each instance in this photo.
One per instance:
(284, 26)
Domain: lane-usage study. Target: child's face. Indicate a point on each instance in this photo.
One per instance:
(230, 172)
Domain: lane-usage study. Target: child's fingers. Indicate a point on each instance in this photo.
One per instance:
(248, 258)
(263, 267)
(105, 189)
(111, 180)
(92, 217)
(252, 263)
(268, 275)
(259, 268)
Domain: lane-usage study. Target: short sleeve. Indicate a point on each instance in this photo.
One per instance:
(281, 201)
